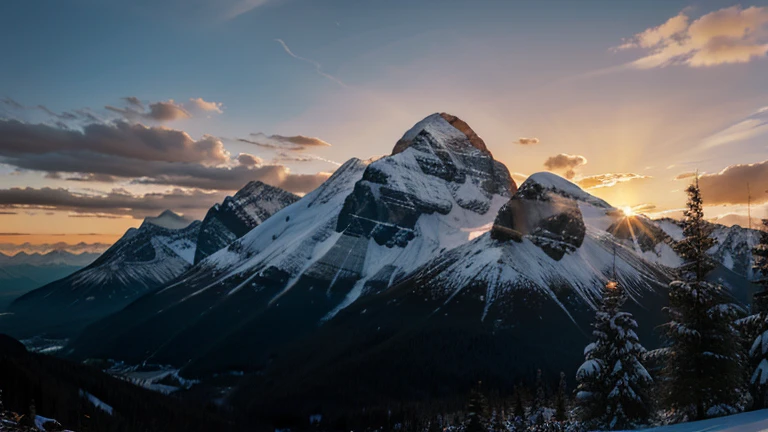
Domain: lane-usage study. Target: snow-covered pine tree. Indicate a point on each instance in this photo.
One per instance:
(704, 368)
(696, 240)
(758, 352)
(613, 382)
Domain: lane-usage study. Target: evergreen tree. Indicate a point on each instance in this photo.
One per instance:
(696, 240)
(477, 411)
(561, 411)
(613, 382)
(519, 407)
(539, 401)
(758, 352)
(704, 369)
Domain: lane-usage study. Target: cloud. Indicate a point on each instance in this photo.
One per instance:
(608, 180)
(729, 186)
(249, 160)
(122, 139)
(519, 178)
(203, 105)
(527, 141)
(565, 163)
(754, 125)
(148, 155)
(317, 65)
(116, 202)
(685, 175)
(302, 157)
(280, 142)
(134, 101)
(730, 35)
(158, 111)
(241, 7)
(644, 208)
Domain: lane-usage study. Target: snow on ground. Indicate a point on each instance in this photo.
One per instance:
(96, 402)
(746, 422)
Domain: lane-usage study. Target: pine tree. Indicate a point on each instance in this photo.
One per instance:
(704, 369)
(758, 352)
(539, 401)
(561, 412)
(477, 411)
(613, 382)
(519, 408)
(696, 240)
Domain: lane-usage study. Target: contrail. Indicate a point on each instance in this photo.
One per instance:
(317, 65)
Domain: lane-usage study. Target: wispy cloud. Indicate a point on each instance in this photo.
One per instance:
(729, 35)
(241, 7)
(316, 64)
(754, 125)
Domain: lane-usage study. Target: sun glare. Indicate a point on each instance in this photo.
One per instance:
(628, 212)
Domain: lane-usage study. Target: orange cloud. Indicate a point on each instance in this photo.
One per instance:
(730, 35)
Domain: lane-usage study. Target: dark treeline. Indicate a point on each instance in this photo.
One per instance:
(53, 386)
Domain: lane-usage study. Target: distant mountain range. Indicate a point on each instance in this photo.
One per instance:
(24, 272)
(145, 258)
(415, 274)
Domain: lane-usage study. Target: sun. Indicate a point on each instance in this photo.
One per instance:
(628, 212)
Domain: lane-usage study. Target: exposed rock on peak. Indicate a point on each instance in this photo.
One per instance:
(545, 210)
(437, 167)
(444, 124)
(238, 214)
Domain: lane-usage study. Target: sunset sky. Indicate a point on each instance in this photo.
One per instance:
(113, 110)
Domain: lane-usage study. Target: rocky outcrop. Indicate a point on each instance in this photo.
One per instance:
(438, 165)
(238, 214)
(551, 220)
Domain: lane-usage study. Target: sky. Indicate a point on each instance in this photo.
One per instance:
(114, 110)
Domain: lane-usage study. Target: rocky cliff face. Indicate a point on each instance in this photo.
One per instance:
(551, 220)
(238, 214)
(439, 166)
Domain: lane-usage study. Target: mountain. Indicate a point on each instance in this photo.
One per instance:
(24, 272)
(518, 298)
(364, 230)
(52, 258)
(238, 214)
(416, 274)
(168, 219)
(143, 259)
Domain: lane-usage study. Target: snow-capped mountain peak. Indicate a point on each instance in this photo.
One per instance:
(168, 219)
(444, 127)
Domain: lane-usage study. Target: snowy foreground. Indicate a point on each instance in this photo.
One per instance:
(746, 422)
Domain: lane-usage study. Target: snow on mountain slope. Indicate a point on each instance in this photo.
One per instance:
(541, 240)
(363, 230)
(406, 209)
(238, 214)
(143, 259)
